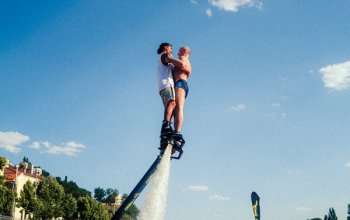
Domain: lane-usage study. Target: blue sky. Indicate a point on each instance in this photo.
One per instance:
(267, 109)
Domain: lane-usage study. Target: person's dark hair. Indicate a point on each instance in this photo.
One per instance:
(161, 47)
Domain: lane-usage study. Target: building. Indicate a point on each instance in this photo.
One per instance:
(15, 178)
(114, 206)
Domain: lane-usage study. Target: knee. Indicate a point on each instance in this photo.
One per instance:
(178, 109)
(171, 104)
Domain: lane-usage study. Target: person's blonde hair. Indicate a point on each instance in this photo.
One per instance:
(187, 48)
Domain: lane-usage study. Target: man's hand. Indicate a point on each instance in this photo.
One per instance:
(166, 58)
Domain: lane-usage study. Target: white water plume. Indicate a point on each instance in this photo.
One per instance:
(154, 207)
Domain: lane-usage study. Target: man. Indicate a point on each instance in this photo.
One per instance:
(166, 89)
(181, 74)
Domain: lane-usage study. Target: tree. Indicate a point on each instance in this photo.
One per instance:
(7, 198)
(133, 212)
(72, 188)
(70, 207)
(51, 199)
(45, 173)
(2, 162)
(25, 159)
(111, 194)
(100, 193)
(89, 208)
(106, 196)
(348, 218)
(27, 200)
(331, 215)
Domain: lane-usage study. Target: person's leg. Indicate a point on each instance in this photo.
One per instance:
(180, 102)
(169, 110)
(168, 97)
(168, 113)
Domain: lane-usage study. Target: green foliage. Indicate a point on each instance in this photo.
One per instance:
(72, 188)
(110, 191)
(100, 193)
(70, 207)
(51, 201)
(331, 215)
(89, 208)
(2, 178)
(133, 212)
(7, 197)
(51, 198)
(125, 196)
(2, 162)
(110, 195)
(25, 159)
(54, 198)
(127, 217)
(105, 196)
(45, 173)
(27, 199)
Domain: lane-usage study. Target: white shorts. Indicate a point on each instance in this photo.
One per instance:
(167, 94)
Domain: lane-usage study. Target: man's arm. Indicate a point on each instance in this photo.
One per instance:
(182, 65)
(187, 69)
(165, 58)
(176, 62)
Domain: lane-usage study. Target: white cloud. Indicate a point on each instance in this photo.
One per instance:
(69, 149)
(209, 12)
(239, 108)
(219, 197)
(10, 141)
(276, 105)
(336, 76)
(233, 5)
(304, 209)
(193, 1)
(198, 188)
(35, 145)
(348, 164)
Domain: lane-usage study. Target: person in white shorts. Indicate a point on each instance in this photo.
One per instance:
(166, 89)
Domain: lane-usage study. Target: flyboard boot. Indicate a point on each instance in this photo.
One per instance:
(178, 143)
(165, 135)
(178, 139)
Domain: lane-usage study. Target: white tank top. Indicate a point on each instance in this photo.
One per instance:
(165, 77)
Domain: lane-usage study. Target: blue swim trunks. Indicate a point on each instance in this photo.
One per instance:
(182, 84)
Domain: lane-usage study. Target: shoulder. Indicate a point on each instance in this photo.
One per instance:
(164, 55)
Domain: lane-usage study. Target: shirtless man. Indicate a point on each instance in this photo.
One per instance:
(181, 74)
